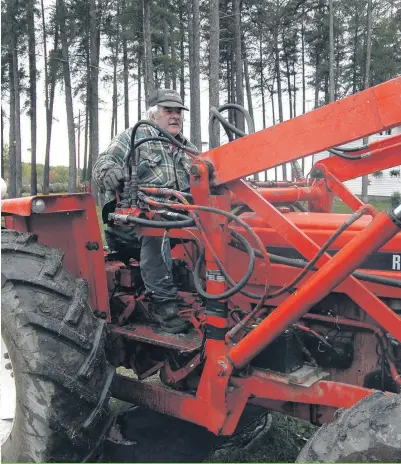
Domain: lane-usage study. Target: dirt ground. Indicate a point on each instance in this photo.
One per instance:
(141, 435)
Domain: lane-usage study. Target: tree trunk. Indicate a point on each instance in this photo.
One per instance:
(79, 151)
(182, 53)
(239, 79)
(288, 73)
(294, 99)
(113, 129)
(278, 77)
(32, 91)
(368, 45)
(354, 53)
(317, 80)
(247, 81)
(262, 80)
(88, 115)
(277, 65)
(303, 66)
(167, 82)
(49, 113)
(94, 27)
(2, 144)
(273, 110)
(248, 90)
(12, 181)
(214, 63)
(196, 110)
(46, 73)
(233, 85)
(125, 71)
(17, 137)
(72, 172)
(229, 96)
(191, 71)
(365, 197)
(85, 166)
(331, 51)
(326, 89)
(115, 87)
(173, 58)
(139, 85)
(337, 69)
(149, 79)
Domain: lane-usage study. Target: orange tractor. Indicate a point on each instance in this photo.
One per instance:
(293, 307)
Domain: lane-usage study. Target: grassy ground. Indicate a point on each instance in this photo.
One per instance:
(340, 207)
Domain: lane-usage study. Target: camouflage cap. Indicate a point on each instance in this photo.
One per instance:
(166, 97)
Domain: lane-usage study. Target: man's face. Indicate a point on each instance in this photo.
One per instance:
(169, 119)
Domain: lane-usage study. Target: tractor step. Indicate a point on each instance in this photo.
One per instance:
(154, 335)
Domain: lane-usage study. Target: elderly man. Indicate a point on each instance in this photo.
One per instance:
(159, 164)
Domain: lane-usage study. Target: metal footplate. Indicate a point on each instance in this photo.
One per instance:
(154, 335)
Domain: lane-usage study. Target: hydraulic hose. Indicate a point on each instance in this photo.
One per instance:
(232, 217)
(237, 286)
(320, 253)
(307, 266)
(348, 157)
(173, 140)
(351, 149)
(177, 224)
(150, 139)
(228, 127)
(300, 263)
(131, 182)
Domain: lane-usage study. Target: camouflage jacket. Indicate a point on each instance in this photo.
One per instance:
(159, 164)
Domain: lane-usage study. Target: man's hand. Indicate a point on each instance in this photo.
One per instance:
(112, 179)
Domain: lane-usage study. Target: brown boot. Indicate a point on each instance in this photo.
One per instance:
(166, 314)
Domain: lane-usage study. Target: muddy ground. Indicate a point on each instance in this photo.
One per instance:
(141, 435)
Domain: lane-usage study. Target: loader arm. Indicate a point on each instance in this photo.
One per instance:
(365, 113)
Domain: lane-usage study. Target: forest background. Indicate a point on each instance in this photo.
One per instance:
(76, 72)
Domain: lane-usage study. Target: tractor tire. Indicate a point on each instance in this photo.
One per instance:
(370, 431)
(56, 349)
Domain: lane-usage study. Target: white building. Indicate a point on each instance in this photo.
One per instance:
(381, 186)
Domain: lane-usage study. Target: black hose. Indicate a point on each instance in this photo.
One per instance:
(173, 140)
(237, 287)
(377, 279)
(351, 149)
(241, 109)
(161, 191)
(150, 139)
(178, 224)
(231, 281)
(348, 157)
(225, 123)
(300, 263)
(228, 127)
(131, 184)
(318, 255)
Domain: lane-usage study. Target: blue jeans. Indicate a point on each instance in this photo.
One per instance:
(156, 268)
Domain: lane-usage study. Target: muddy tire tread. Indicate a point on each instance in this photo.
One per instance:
(59, 355)
(367, 432)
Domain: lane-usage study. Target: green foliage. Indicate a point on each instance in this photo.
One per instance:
(395, 199)
(58, 174)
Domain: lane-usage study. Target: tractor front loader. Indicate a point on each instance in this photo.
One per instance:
(293, 308)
